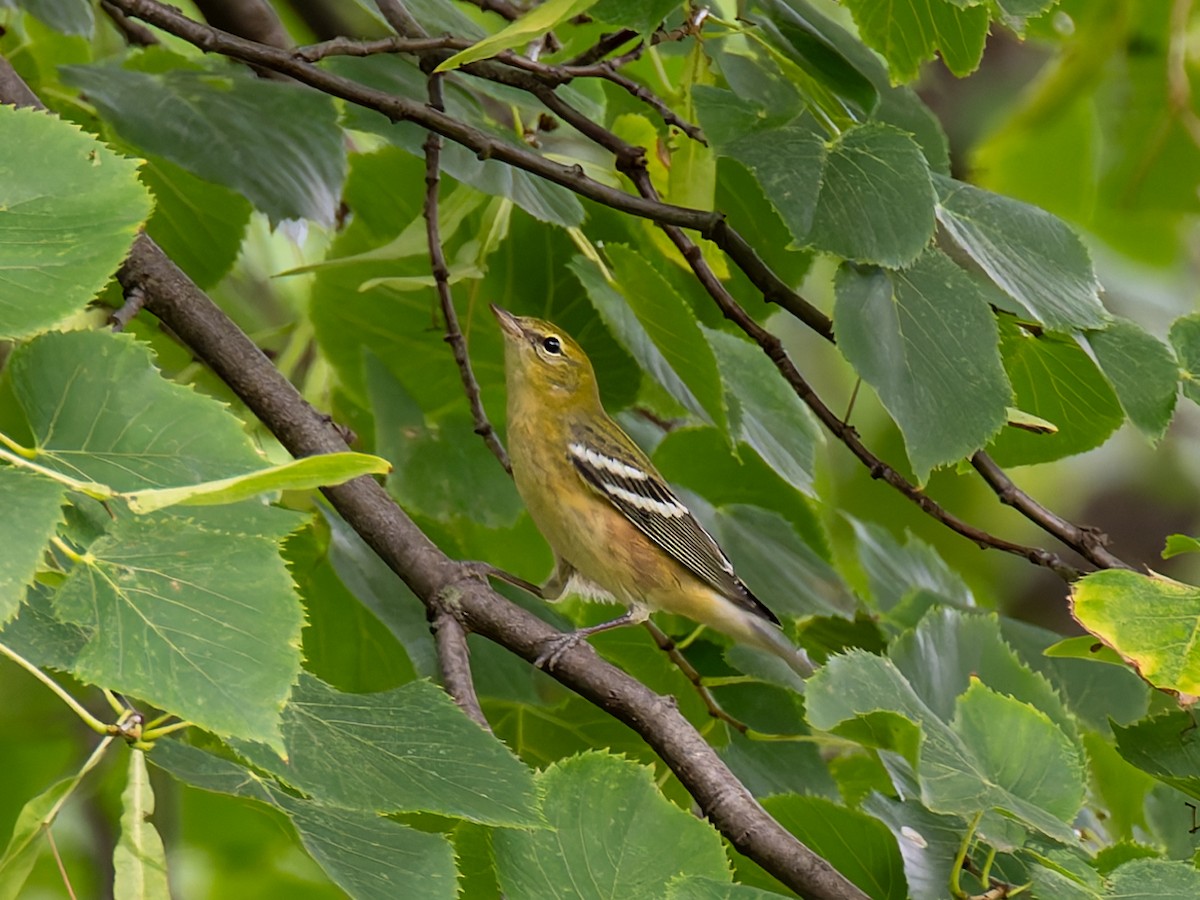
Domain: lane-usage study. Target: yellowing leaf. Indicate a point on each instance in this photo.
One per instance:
(1152, 621)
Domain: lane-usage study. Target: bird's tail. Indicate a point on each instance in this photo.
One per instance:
(769, 637)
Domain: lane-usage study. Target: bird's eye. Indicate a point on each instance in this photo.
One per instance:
(552, 345)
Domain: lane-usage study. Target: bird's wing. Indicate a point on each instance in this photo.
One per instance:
(638, 492)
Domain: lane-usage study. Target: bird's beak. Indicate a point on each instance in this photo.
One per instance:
(509, 324)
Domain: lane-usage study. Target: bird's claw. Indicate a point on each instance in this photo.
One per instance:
(555, 648)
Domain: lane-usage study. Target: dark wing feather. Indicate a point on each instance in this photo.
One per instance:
(637, 491)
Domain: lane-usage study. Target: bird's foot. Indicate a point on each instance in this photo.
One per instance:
(556, 647)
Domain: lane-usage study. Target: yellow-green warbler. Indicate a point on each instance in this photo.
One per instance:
(616, 529)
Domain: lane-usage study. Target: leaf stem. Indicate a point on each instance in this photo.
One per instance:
(152, 734)
(91, 721)
(23, 452)
(20, 456)
(960, 857)
(65, 549)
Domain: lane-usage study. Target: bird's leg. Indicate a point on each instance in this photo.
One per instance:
(487, 570)
(556, 647)
(553, 589)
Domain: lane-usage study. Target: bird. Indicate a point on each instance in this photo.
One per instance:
(617, 531)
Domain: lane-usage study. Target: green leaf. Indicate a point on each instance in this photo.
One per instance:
(139, 861)
(857, 845)
(197, 223)
(1015, 12)
(446, 472)
(1108, 858)
(1122, 790)
(926, 340)
(366, 854)
(895, 570)
(621, 320)
(25, 537)
(545, 201)
(33, 821)
(530, 26)
(344, 644)
(764, 411)
(1096, 694)
(612, 834)
(928, 843)
(697, 887)
(1055, 379)
(1034, 257)
(297, 475)
(779, 567)
(394, 327)
(1036, 762)
(866, 195)
(67, 16)
(1162, 879)
(369, 856)
(1150, 620)
(1185, 338)
(408, 749)
(1180, 543)
(69, 219)
(671, 325)
(276, 143)
(38, 635)
(196, 617)
(1143, 371)
(1165, 746)
(787, 160)
(643, 16)
(908, 34)
(949, 647)
(877, 202)
(23, 848)
(1085, 646)
(811, 41)
(100, 411)
(1036, 777)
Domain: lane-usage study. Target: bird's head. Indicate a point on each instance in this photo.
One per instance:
(541, 358)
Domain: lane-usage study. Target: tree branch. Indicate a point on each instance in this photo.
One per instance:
(1090, 543)
(454, 660)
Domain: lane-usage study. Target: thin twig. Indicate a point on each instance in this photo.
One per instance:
(454, 661)
(344, 46)
(397, 15)
(62, 869)
(134, 301)
(667, 644)
(509, 11)
(606, 45)
(136, 34)
(1087, 542)
(441, 277)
